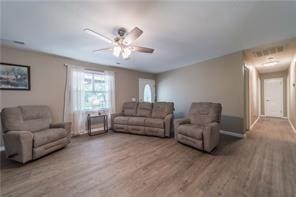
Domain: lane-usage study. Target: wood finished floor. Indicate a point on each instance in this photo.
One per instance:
(262, 164)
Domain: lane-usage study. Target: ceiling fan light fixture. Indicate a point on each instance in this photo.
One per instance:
(126, 52)
(116, 51)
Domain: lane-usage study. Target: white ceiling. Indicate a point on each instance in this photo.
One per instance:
(181, 33)
(283, 58)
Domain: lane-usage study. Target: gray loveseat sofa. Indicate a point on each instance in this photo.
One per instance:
(201, 129)
(30, 134)
(144, 118)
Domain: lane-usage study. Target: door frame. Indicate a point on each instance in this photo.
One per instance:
(282, 96)
(246, 73)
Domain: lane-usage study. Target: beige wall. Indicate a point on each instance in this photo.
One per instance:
(283, 75)
(254, 92)
(292, 92)
(48, 78)
(216, 80)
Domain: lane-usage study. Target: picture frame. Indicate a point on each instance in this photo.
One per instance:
(15, 77)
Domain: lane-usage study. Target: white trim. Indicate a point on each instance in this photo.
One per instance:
(251, 127)
(292, 125)
(239, 135)
(264, 116)
(2, 148)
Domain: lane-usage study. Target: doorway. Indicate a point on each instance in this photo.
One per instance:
(273, 97)
(146, 90)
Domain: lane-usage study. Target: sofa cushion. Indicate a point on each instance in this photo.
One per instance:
(121, 120)
(50, 147)
(139, 121)
(31, 112)
(144, 109)
(20, 118)
(204, 113)
(120, 128)
(130, 108)
(162, 109)
(190, 141)
(136, 129)
(154, 131)
(48, 135)
(191, 130)
(153, 122)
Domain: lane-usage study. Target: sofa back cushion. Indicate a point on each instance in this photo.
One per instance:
(205, 112)
(162, 109)
(130, 108)
(144, 109)
(26, 118)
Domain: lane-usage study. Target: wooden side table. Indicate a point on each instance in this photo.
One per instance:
(92, 117)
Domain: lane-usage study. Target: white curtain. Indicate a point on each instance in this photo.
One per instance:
(110, 87)
(74, 98)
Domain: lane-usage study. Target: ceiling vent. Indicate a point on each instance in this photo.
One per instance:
(18, 42)
(268, 51)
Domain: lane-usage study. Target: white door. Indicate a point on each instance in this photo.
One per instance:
(273, 97)
(146, 90)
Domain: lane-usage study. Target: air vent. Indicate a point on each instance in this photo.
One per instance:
(268, 51)
(12, 41)
(18, 42)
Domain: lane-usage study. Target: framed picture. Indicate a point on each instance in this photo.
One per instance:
(14, 77)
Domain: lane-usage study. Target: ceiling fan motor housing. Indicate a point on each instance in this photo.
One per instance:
(121, 31)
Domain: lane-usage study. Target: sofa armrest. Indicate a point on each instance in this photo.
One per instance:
(64, 125)
(211, 136)
(168, 121)
(19, 145)
(113, 116)
(178, 122)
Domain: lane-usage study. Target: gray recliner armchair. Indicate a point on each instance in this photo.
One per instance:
(202, 126)
(30, 134)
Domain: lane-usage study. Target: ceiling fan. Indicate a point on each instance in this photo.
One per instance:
(122, 43)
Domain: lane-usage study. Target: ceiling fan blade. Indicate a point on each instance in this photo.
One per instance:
(132, 36)
(142, 49)
(103, 49)
(96, 34)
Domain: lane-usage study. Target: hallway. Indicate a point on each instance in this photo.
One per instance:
(275, 128)
(273, 143)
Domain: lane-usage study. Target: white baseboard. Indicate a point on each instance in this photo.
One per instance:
(2, 148)
(254, 123)
(239, 135)
(264, 116)
(292, 125)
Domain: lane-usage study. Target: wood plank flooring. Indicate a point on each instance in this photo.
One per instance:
(262, 164)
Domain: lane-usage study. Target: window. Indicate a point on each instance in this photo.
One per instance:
(147, 93)
(95, 93)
